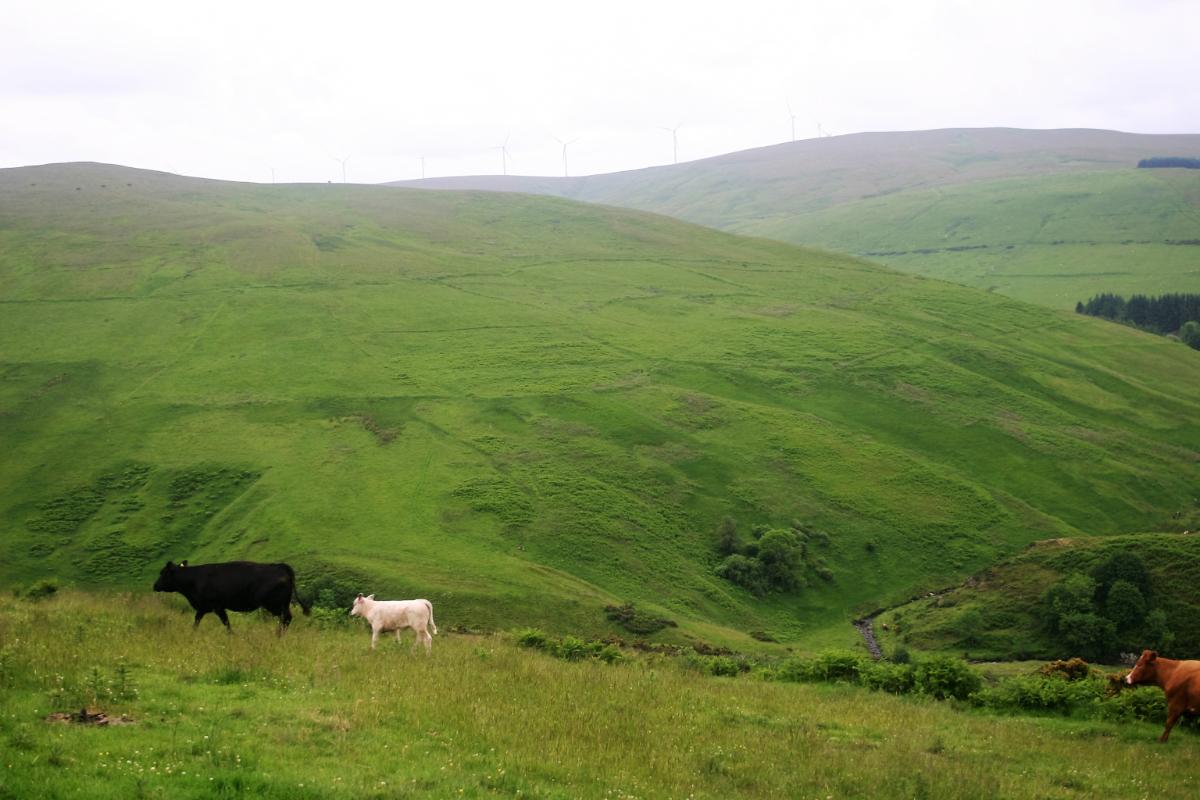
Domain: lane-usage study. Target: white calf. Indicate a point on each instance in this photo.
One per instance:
(396, 615)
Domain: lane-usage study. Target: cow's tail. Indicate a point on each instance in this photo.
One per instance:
(432, 624)
(296, 598)
(305, 607)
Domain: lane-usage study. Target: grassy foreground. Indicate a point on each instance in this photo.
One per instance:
(314, 715)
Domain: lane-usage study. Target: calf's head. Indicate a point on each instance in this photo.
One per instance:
(1145, 670)
(358, 609)
(167, 578)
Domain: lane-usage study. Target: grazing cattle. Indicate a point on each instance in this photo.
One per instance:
(1179, 680)
(233, 586)
(396, 615)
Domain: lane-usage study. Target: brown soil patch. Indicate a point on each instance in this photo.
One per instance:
(86, 716)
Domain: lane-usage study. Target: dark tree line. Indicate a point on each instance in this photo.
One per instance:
(1169, 161)
(1169, 313)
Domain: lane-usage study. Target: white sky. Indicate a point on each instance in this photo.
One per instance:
(237, 89)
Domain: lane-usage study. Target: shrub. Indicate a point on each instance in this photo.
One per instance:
(40, 590)
(326, 618)
(1147, 703)
(830, 666)
(635, 621)
(942, 677)
(882, 676)
(569, 648)
(1037, 693)
(721, 666)
(572, 648)
(1089, 634)
(609, 654)
(728, 541)
(745, 571)
(839, 665)
(1189, 334)
(774, 560)
(532, 637)
(1073, 669)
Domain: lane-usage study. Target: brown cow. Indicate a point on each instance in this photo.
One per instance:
(1179, 680)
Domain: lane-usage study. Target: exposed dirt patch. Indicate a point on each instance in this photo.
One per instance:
(86, 716)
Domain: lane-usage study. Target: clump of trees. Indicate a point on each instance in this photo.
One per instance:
(1108, 611)
(1169, 161)
(773, 559)
(1169, 313)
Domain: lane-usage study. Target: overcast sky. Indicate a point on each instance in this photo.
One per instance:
(237, 90)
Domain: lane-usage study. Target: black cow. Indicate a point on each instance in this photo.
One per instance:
(233, 586)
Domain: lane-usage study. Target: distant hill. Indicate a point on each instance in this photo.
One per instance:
(526, 408)
(1051, 216)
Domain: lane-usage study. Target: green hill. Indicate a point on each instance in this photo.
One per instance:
(1050, 216)
(1001, 613)
(526, 408)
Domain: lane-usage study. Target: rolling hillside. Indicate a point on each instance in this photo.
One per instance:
(525, 408)
(1049, 216)
(1001, 612)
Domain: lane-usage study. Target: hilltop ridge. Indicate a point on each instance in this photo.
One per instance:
(1050, 216)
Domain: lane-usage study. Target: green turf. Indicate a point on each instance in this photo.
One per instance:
(525, 408)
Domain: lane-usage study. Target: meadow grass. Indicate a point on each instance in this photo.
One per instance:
(314, 714)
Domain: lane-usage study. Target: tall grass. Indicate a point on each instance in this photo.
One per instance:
(314, 714)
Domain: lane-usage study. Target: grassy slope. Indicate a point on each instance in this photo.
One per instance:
(316, 715)
(487, 399)
(1009, 194)
(1054, 239)
(1006, 599)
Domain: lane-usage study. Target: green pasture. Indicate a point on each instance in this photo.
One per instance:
(525, 408)
(315, 714)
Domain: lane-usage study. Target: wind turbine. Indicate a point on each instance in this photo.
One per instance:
(342, 161)
(422, 166)
(564, 146)
(504, 155)
(792, 114)
(674, 141)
